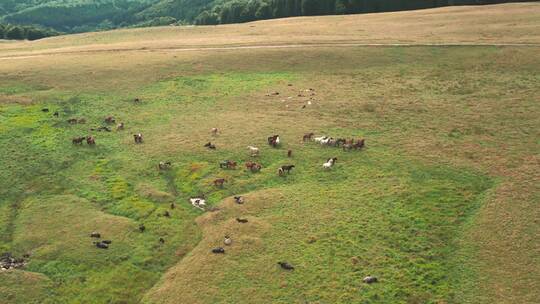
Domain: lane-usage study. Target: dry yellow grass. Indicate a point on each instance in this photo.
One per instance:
(505, 23)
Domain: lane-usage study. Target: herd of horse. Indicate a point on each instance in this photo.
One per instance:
(254, 167)
(91, 140)
(346, 144)
(273, 141)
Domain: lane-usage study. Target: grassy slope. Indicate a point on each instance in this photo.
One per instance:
(426, 207)
(509, 23)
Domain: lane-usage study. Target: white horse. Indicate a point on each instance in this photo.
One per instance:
(198, 203)
(325, 141)
(254, 151)
(329, 163)
(320, 139)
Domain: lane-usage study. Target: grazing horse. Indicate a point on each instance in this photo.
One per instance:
(242, 220)
(120, 126)
(370, 279)
(347, 147)
(289, 153)
(253, 167)
(320, 139)
(308, 136)
(227, 164)
(90, 140)
(164, 165)
(274, 141)
(285, 168)
(326, 141)
(102, 128)
(286, 266)
(227, 241)
(138, 138)
(218, 250)
(210, 146)
(55, 114)
(219, 182)
(359, 145)
(253, 150)
(239, 199)
(72, 121)
(198, 202)
(329, 163)
(340, 141)
(215, 131)
(110, 120)
(256, 168)
(332, 142)
(142, 228)
(78, 140)
(101, 245)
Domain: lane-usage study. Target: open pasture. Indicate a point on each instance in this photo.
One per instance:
(441, 205)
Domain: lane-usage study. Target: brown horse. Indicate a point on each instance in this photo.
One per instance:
(308, 137)
(227, 164)
(90, 140)
(110, 119)
(253, 167)
(350, 145)
(78, 140)
(359, 145)
(219, 182)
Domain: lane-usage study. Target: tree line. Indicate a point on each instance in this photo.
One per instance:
(237, 11)
(24, 32)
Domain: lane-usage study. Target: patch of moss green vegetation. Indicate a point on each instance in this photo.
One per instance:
(398, 221)
(395, 218)
(55, 193)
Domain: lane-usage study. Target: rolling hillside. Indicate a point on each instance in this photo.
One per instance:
(90, 15)
(441, 205)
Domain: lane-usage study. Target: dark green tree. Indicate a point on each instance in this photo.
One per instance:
(15, 33)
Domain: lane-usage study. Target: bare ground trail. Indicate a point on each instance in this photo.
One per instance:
(274, 46)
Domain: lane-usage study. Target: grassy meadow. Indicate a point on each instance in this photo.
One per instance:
(441, 205)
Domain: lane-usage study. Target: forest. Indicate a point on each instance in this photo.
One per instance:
(250, 10)
(25, 32)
